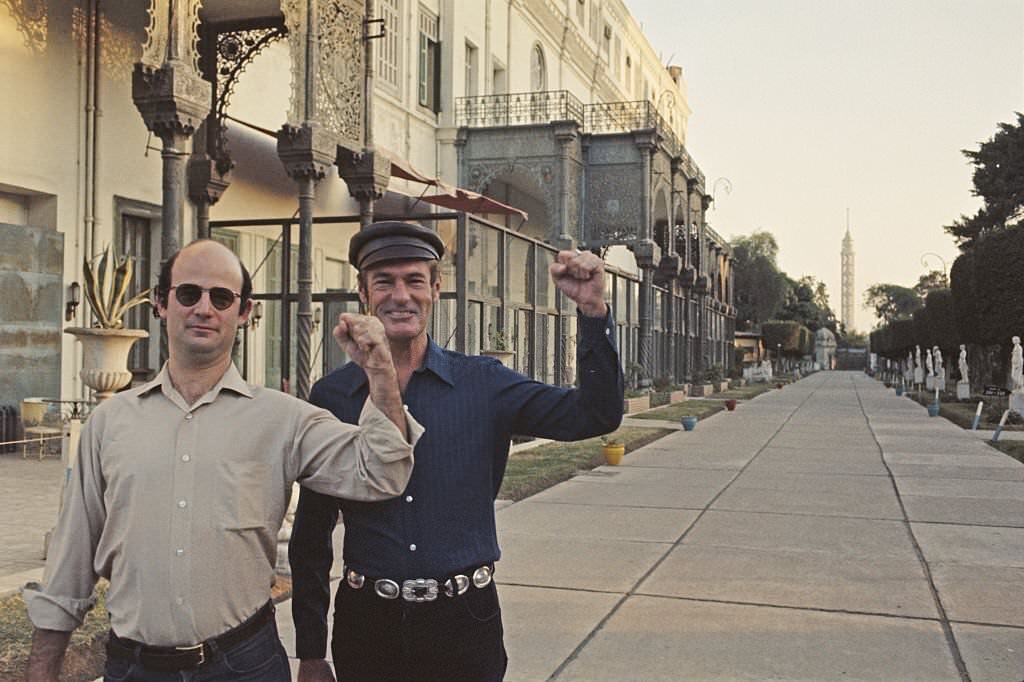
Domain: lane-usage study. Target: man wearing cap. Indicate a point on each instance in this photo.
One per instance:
(417, 600)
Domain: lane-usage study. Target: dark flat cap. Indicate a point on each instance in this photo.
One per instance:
(393, 240)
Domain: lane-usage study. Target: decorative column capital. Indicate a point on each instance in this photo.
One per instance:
(367, 174)
(205, 181)
(306, 151)
(173, 99)
(705, 201)
(565, 131)
(646, 252)
(646, 139)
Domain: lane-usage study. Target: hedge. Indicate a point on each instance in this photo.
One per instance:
(795, 338)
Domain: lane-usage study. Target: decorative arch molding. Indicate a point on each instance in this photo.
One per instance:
(536, 177)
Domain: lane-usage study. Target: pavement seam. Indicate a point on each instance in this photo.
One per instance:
(600, 625)
(947, 628)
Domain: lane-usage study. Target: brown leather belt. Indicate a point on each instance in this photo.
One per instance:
(174, 658)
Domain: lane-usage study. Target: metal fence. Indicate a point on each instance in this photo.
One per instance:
(521, 108)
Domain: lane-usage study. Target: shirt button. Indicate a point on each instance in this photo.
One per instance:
(179, 601)
(408, 498)
(185, 458)
(179, 551)
(188, 416)
(182, 504)
(412, 548)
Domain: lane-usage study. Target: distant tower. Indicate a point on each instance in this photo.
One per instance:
(846, 312)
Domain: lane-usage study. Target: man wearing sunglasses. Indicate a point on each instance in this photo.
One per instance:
(417, 600)
(181, 486)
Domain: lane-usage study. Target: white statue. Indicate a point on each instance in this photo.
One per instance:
(1016, 366)
(962, 365)
(928, 362)
(940, 371)
(918, 369)
(917, 356)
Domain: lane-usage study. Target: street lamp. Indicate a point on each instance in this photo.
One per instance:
(714, 188)
(778, 356)
(924, 261)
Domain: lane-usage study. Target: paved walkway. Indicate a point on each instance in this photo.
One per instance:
(829, 530)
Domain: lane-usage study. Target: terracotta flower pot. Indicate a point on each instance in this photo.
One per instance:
(730, 404)
(613, 453)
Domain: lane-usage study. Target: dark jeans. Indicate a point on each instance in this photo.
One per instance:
(261, 658)
(450, 639)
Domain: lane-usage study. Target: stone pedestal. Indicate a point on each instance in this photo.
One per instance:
(1017, 402)
(963, 390)
(929, 383)
(918, 375)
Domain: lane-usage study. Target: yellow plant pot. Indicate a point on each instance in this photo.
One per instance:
(613, 453)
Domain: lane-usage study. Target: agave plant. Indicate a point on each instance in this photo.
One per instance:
(107, 278)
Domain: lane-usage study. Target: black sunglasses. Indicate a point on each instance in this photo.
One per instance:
(189, 294)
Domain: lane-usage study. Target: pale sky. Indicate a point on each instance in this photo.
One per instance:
(813, 107)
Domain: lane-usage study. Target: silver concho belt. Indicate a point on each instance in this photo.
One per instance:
(421, 589)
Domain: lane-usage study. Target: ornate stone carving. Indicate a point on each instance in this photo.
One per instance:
(205, 180)
(337, 98)
(366, 175)
(306, 151)
(172, 36)
(173, 99)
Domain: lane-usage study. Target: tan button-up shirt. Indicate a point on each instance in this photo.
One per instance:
(179, 506)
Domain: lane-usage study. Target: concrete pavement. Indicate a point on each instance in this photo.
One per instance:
(826, 530)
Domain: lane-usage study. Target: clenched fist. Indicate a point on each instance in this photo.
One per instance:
(362, 338)
(580, 276)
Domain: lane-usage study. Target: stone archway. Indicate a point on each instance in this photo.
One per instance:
(524, 187)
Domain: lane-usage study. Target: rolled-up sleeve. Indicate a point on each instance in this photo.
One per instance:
(67, 592)
(371, 461)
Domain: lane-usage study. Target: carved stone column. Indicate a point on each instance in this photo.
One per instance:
(173, 100)
(307, 152)
(646, 253)
(565, 133)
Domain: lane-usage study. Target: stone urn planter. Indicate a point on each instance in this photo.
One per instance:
(689, 423)
(730, 404)
(105, 357)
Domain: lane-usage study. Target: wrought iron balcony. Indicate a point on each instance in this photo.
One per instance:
(522, 108)
(539, 108)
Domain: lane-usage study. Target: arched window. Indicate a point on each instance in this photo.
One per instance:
(538, 69)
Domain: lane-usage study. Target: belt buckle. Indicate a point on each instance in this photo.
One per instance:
(386, 588)
(419, 590)
(201, 648)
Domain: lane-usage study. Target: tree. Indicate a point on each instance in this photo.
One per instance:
(935, 279)
(759, 286)
(891, 301)
(999, 180)
(807, 303)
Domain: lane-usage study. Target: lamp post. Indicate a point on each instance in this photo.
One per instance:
(714, 188)
(778, 357)
(924, 261)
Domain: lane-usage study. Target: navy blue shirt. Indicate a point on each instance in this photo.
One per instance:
(444, 521)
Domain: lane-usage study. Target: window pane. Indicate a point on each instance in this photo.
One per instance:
(545, 285)
(519, 266)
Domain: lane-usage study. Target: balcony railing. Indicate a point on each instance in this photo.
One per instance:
(522, 108)
(539, 108)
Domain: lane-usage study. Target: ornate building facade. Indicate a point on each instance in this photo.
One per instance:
(513, 127)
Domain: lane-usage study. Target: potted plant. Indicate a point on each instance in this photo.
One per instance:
(689, 423)
(106, 344)
(613, 449)
(730, 404)
(500, 348)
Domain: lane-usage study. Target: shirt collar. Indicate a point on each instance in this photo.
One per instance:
(231, 380)
(436, 361)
